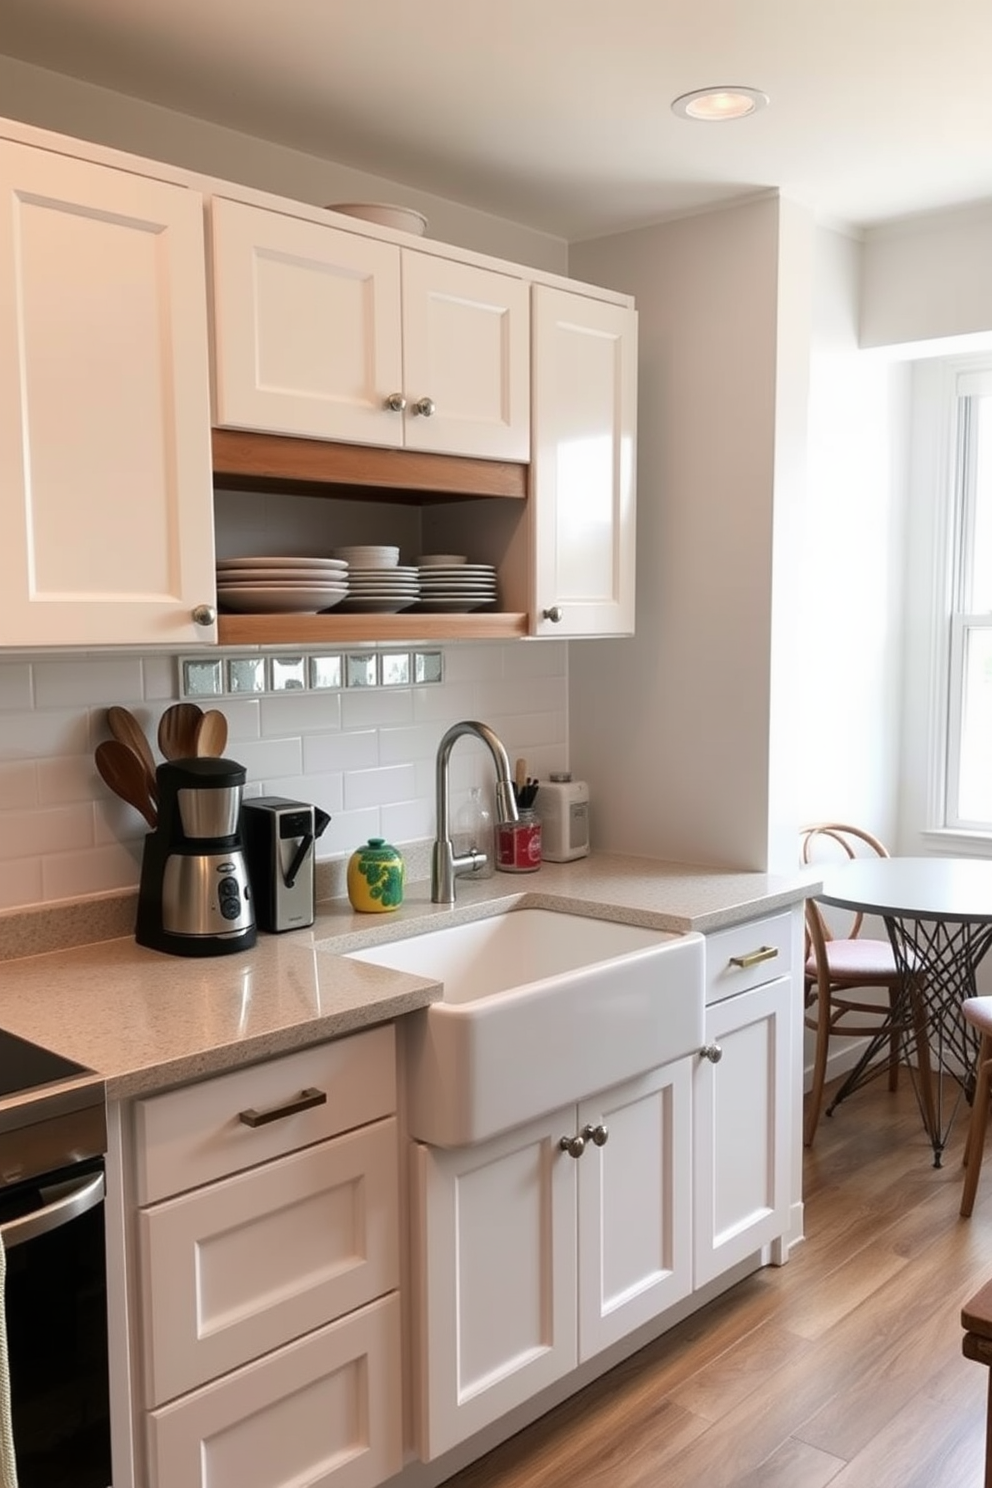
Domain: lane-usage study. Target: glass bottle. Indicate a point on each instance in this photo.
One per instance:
(474, 831)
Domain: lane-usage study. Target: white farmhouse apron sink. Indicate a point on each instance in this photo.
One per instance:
(539, 1009)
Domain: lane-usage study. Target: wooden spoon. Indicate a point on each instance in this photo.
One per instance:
(126, 728)
(211, 733)
(123, 771)
(177, 730)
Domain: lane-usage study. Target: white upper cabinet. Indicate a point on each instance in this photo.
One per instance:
(106, 522)
(328, 334)
(584, 361)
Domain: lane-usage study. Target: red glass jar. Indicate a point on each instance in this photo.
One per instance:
(518, 844)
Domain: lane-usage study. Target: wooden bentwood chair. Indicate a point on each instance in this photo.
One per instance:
(977, 1013)
(838, 966)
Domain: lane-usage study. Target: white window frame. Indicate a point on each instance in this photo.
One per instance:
(953, 622)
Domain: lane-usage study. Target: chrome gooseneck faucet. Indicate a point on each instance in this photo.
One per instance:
(445, 865)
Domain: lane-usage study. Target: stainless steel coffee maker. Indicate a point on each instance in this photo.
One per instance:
(194, 897)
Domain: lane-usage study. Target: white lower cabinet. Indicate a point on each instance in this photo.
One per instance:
(324, 1411)
(532, 1260)
(267, 1258)
(744, 1113)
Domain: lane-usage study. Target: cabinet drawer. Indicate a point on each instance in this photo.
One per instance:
(243, 1266)
(324, 1411)
(197, 1134)
(747, 956)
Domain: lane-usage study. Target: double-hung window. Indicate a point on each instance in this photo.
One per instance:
(968, 770)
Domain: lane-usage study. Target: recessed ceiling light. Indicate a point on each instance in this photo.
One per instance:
(714, 104)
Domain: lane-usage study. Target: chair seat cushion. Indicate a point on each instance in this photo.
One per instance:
(978, 1012)
(857, 958)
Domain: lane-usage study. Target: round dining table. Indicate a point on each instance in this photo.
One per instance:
(938, 915)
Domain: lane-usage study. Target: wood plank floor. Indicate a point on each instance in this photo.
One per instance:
(842, 1367)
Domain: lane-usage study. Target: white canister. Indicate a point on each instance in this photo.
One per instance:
(563, 804)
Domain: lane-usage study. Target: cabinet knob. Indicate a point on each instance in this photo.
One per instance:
(425, 407)
(204, 615)
(555, 614)
(395, 403)
(574, 1146)
(712, 1052)
(599, 1135)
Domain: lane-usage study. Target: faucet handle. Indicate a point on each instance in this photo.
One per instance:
(506, 802)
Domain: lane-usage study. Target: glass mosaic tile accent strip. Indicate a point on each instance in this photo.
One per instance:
(394, 668)
(325, 672)
(428, 666)
(360, 669)
(246, 674)
(319, 671)
(203, 678)
(287, 673)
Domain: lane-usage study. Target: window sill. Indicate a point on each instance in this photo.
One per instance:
(967, 844)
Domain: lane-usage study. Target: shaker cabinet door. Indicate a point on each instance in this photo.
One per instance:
(493, 1251)
(466, 343)
(635, 1210)
(582, 464)
(743, 1120)
(106, 522)
(306, 324)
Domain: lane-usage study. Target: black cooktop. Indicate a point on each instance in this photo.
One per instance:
(25, 1066)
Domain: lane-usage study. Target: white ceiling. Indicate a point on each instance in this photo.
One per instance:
(556, 113)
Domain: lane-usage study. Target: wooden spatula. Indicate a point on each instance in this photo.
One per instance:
(211, 733)
(128, 731)
(123, 771)
(177, 730)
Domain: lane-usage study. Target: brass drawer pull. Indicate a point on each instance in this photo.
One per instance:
(304, 1102)
(754, 958)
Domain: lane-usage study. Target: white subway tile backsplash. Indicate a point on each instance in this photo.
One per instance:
(299, 713)
(264, 758)
(21, 883)
(474, 663)
(18, 785)
(79, 874)
(365, 755)
(66, 777)
(348, 830)
(446, 704)
(397, 745)
(33, 833)
(541, 659)
(15, 685)
(29, 735)
(408, 821)
(160, 675)
(374, 707)
(244, 718)
(378, 787)
(92, 681)
(345, 751)
(325, 791)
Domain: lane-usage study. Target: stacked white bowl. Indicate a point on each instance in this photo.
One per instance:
(377, 581)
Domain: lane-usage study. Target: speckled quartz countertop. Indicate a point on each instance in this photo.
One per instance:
(143, 1020)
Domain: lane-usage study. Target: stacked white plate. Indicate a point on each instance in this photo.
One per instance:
(369, 555)
(382, 590)
(281, 586)
(457, 586)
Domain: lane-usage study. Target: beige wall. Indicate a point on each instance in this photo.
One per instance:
(33, 95)
(672, 727)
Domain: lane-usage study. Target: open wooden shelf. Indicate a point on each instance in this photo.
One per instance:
(279, 462)
(349, 630)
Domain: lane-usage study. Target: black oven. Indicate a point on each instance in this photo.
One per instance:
(52, 1144)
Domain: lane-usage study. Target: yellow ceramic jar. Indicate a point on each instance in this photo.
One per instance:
(375, 877)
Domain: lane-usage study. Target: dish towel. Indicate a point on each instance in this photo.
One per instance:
(8, 1462)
